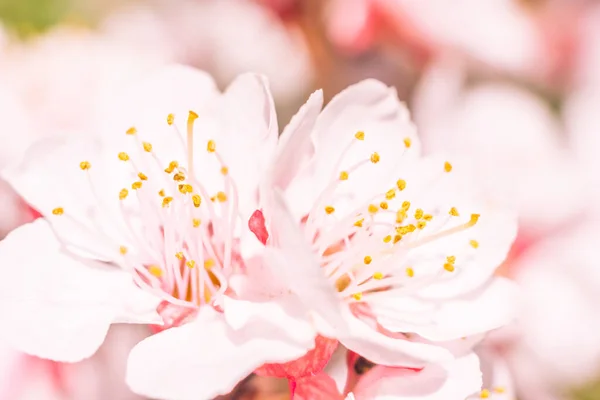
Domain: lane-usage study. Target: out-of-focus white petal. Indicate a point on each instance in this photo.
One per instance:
(496, 32)
(558, 319)
(511, 139)
(455, 379)
(102, 376)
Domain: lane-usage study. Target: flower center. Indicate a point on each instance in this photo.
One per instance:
(369, 249)
(180, 236)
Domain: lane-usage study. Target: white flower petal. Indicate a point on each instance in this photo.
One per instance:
(205, 357)
(54, 305)
(247, 134)
(455, 379)
(50, 177)
(385, 350)
(295, 150)
(373, 108)
(286, 313)
(483, 310)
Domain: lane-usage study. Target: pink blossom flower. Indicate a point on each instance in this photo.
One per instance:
(142, 221)
(384, 248)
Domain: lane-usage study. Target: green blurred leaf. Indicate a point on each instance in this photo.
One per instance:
(589, 391)
(32, 16)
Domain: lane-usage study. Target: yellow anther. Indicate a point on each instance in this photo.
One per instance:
(454, 212)
(449, 267)
(170, 119)
(378, 276)
(410, 272)
(390, 194)
(427, 217)
(387, 239)
(359, 223)
(329, 209)
(406, 205)
(375, 158)
(166, 201)
(221, 197)
(196, 199)
(400, 216)
(209, 263)
(367, 260)
(397, 238)
(123, 156)
(485, 394)
(343, 176)
(123, 250)
(192, 116)
(224, 170)
(419, 213)
(131, 131)
(171, 167)
(196, 222)
(373, 208)
(155, 271)
(407, 142)
(211, 146)
(360, 135)
(474, 243)
(58, 211)
(136, 185)
(123, 194)
(147, 146)
(401, 183)
(499, 389)
(447, 166)
(451, 259)
(85, 165)
(383, 205)
(142, 177)
(403, 230)
(474, 219)
(179, 255)
(161, 192)
(357, 296)
(421, 224)
(191, 263)
(179, 177)
(185, 188)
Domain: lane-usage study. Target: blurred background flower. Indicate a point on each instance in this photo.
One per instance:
(512, 86)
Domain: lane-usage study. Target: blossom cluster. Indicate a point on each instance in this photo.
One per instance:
(336, 254)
